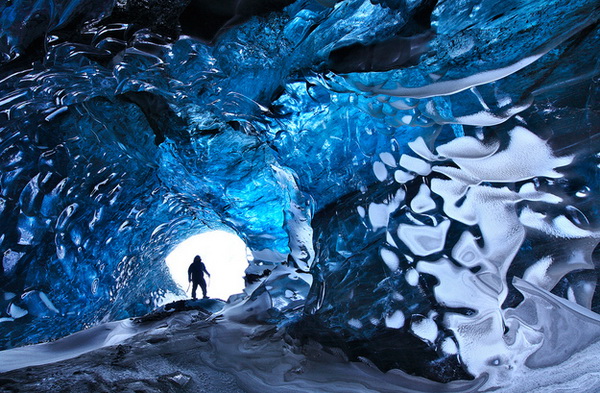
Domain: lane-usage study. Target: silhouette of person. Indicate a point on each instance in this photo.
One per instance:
(196, 276)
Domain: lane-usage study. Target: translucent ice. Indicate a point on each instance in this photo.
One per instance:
(438, 198)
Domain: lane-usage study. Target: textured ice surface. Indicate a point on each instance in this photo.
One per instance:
(217, 357)
(186, 352)
(435, 211)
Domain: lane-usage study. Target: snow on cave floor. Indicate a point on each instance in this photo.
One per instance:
(191, 349)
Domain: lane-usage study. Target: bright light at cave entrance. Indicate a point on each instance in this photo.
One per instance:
(224, 255)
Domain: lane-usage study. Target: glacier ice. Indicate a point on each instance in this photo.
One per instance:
(417, 180)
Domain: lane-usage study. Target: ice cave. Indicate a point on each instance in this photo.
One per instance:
(225, 256)
(413, 185)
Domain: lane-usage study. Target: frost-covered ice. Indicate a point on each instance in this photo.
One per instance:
(109, 334)
(191, 350)
(424, 240)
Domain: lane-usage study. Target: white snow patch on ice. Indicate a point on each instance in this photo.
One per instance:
(560, 226)
(380, 170)
(425, 328)
(415, 165)
(527, 156)
(449, 346)
(402, 177)
(361, 211)
(424, 240)
(453, 86)
(388, 159)
(396, 320)
(422, 202)
(466, 251)
(537, 273)
(379, 213)
(390, 258)
(412, 277)
(467, 147)
(71, 346)
(16, 312)
(355, 323)
(420, 147)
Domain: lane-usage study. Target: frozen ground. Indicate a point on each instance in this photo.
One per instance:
(193, 350)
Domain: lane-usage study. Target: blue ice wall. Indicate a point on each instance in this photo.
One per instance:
(420, 177)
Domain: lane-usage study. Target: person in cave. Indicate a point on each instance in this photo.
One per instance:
(196, 276)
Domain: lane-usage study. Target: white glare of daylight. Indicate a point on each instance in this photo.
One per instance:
(224, 255)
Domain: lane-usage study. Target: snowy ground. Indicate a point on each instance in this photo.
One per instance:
(194, 351)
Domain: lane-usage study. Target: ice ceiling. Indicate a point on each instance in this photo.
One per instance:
(417, 180)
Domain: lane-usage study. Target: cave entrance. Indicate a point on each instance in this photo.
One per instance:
(225, 257)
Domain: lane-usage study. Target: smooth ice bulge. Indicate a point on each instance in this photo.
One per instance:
(416, 181)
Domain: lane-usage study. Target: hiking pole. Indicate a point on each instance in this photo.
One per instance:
(188, 288)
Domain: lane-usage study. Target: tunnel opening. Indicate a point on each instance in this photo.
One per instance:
(226, 258)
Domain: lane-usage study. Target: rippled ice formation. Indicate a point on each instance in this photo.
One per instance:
(421, 177)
